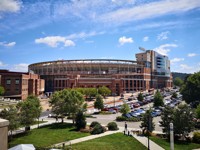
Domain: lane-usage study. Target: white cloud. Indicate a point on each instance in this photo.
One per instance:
(164, 49)
(10, 5)
(54, 41)
(22, 67)
(174, 60)
(11, 44)
(123, 40)
(149, 10)
(189, 69)
(146, 38)
(192, 54)
(2, 64)
(163, 35)
(84, 35)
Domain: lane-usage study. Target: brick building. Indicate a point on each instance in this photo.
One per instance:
(19, 85)
(150, 70)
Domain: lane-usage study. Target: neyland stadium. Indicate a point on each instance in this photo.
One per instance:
(150, 70)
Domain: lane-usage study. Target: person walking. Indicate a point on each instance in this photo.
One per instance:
(125, 127)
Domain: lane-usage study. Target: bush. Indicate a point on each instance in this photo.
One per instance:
(196, 137)
(94, 123)
(112, 126)
(121, 118)
(97, 129)
(80, 120)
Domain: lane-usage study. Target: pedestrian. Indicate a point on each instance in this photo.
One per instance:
(125, 126)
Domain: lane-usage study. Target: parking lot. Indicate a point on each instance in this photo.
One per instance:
(137, 109)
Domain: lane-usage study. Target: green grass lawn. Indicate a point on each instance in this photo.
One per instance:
(48, 135)
(177, 146)
(116, 141)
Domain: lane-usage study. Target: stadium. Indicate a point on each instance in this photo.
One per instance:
(117, 75)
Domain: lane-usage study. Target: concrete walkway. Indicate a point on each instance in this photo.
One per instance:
(142, 139)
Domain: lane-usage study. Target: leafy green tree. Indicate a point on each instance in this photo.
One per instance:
(80, 120)
(99, 102)
(1, 90)
(174, 95)
(57, 103)
(104, 91)
(38, 108)
(90, 92)
(11, 114)
(147, 123)
(178, 82)
(191, 89)
(198, 112)
(125, 109)
(183, 120)
(66, 102)
(167, 117)
(158, 99)
(140, 97)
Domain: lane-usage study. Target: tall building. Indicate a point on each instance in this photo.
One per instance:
(160, 68)
(150, 70)
(19, 85)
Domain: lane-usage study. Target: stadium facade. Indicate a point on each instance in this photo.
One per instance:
(150, 70)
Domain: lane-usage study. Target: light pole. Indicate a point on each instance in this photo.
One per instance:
(171, 136)
(148, 130)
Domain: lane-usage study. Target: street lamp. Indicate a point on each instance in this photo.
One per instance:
(149, 126)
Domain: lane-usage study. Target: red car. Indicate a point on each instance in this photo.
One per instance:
(136, 105)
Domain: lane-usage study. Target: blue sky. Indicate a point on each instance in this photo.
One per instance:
(34, 31)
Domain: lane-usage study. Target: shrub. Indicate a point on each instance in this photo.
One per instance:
(121, 118)
(196, 137)
(97, 129)
(80, 120)
(94, 123)
(112, 126)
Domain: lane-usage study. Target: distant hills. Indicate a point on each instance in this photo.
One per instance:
(180, 75)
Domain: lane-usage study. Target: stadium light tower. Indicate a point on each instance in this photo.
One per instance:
(142, 49)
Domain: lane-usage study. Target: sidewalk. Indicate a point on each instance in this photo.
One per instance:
(86, 138)
(142, 139)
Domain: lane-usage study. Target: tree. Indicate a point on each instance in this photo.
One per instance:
(167, 117)
(124, 109)
(147, 123)
(198, 112)
(1, 90)
(80, 120)
(158, 99)
(30, 110)
(66, 102)
(11, 114)
(58, 104)
(99, 102)
(140, 97)
(174, 95)
(104, 91)
(178, 82)
(38, 108)
(183, 120)
(191, 89)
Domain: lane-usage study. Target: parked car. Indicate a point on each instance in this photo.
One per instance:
(127, 115)
(158, 112)
(112, 111)
(136, 105)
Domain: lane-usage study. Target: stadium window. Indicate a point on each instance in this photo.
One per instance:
(17, 81)
(8, 81)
